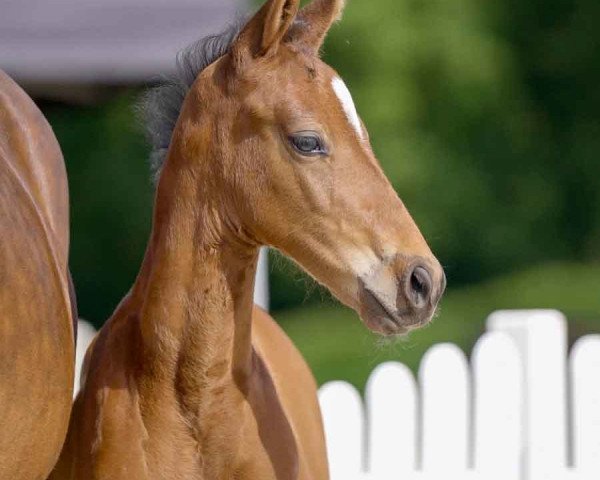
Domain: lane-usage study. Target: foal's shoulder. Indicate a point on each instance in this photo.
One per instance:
(279, 352)
(296, 388)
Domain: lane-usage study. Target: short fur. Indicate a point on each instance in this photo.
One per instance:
(36, 311)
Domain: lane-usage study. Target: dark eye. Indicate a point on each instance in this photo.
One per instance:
(308, 144)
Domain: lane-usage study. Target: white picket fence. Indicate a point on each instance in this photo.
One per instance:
(521, 409)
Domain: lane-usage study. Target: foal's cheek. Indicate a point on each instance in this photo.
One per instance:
(317, 186)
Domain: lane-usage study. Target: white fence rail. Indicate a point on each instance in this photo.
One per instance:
(520, 410)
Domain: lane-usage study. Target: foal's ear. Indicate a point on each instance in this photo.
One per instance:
(315, 20)
(264, 32)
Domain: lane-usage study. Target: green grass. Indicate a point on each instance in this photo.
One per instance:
(337, 345)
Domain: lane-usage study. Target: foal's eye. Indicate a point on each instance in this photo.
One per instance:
(308, 144)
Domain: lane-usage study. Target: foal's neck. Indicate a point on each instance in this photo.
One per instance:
(195, 295)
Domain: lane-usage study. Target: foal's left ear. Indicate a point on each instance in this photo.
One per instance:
(264, 32)
(314, 21)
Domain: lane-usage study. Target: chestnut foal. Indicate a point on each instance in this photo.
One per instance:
(36, 313)
(188, 380)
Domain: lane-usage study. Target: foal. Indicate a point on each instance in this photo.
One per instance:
(188, 380)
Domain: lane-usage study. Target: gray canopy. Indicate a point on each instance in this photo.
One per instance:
(104, 41)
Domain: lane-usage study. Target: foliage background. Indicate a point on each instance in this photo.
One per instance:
(485, 116)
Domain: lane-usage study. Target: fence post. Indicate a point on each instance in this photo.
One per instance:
(343, 422)
(261, 282)
(497, 384)
(585, 383)
(445, 404)
(85, 335)
(540, 336)
(391, 397)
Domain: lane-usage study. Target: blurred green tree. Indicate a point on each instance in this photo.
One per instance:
(111, 199)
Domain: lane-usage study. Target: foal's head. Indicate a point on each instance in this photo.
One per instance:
(271, 136)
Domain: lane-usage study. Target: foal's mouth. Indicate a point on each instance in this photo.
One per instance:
(379, 317)
(400, 296)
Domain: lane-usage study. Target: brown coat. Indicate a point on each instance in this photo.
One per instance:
(36, 333)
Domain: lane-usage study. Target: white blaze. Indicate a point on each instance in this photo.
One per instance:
(342, 92)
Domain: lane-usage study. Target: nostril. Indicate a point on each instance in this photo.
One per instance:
(420, 286)
(417, 283)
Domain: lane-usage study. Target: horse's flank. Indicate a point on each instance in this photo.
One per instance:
(36, 334)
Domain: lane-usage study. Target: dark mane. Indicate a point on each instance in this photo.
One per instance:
(161, 105)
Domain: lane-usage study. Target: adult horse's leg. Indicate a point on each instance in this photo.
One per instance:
(36, 303)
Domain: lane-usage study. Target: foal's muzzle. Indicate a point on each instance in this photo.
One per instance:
(401, 295)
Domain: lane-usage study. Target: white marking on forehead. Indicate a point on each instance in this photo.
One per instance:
(342, 92)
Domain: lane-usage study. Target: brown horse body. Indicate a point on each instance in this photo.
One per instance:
(188, 380)
(36, 333)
